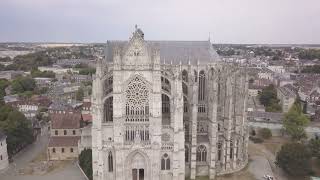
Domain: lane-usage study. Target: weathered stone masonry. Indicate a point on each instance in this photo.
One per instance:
(167, 110)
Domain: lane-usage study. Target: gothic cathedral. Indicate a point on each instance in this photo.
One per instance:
(167, 110)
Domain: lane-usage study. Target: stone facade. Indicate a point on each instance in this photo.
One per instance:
(4, 162)
(167, 110)
(64, 136)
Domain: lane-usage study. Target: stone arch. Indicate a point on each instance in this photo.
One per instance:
(165, 84)
(108, 85)
(202, 153)
(108, 110)
(202, 85)
(185, 75)
(137, 160)
(165, 109)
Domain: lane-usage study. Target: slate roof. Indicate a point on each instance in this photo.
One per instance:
(65, 120)
(173, 51)
(63, 141)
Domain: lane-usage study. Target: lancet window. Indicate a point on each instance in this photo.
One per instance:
(165, 162)
(185, 76)
(165, 109)
(110, 162)
(108, 109)
(219, 151)
(202, 86)
(186, 154)
(165, 84)
(108, 85)
(201, 153)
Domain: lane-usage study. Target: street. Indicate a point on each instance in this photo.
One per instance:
(27, 156)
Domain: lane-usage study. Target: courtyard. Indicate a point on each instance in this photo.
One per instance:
(32, 164)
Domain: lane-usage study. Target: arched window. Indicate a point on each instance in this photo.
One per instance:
(165, 84)
(186, 154)
(108, 85)
(53, 150)
(195, 76)
(219, 150)
(165, 162)
(165, 104)
(184, 89)
(185, 105)
(231, 149)
(108, 109)
(202, 153)
(110, 162)
(202, 86)
(137, 111)
(185, 75)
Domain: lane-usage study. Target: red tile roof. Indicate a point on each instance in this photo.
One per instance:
(63, 141)
(87, 117)
(65, 120)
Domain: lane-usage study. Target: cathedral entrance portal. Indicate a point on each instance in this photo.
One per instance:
(137, 174)
(137, 166)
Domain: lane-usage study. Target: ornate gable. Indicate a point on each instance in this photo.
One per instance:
(136, 52)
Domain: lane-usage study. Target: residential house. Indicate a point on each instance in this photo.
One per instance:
(65, 134)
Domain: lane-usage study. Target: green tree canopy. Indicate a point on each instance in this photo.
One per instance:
(45, 74)
(3, 85)
(268, 98)
(265, 133)
(80, 94)
(87, 71)
(85, 162)
(17, 128)
(22, 84)
(294, 158)
(295, 121)
(314, 146)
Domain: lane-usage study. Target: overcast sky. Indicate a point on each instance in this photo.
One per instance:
(228, 21)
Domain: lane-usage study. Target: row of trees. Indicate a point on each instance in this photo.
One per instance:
(45, 74)
(310, 54)
(268, 98)
(84, 69)
(295, 156)
(30, 61)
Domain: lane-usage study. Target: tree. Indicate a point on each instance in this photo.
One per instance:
(85, 162)
(3, 85)
(268, 98)
(294, 158)
(22, 84)
(45, 74)
(17, 128)
(80, 94)
(265, 133)
(295, 121)
(314, 146)
(87, 71)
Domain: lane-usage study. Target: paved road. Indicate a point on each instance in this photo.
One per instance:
(69, 171)
(278, 173)
(259, 166)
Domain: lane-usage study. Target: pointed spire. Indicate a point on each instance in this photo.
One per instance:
(99, 72)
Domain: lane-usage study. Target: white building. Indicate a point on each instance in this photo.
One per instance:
(4, 162)
(167, 110)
